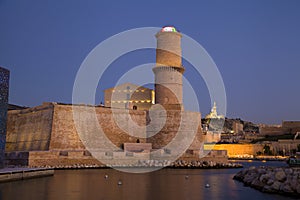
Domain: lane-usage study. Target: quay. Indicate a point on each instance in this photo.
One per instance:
(13, 174)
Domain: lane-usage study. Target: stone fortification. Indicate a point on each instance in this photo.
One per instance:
(29, 129)
(174, 132)
(47, 135)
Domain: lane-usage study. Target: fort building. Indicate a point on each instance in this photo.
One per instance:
(287, 127)
(129, 96)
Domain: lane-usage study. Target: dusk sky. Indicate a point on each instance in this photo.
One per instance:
(255, 45)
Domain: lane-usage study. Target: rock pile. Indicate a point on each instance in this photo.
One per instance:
(179, 164)
(203, 164)
(154, 163)
(282, 180)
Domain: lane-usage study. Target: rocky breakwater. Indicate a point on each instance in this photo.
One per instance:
(155, 163)
(281, 180)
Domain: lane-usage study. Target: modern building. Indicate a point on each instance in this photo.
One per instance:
(129, 96)
(4, 86)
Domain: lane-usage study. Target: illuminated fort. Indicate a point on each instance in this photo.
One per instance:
(47, 134)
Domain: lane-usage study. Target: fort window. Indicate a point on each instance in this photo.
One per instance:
(63, 153)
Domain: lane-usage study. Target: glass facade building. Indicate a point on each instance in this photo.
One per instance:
(4, 86)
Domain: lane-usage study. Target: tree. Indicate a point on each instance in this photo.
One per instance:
(267, 150)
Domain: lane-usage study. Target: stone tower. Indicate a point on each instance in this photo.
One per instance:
(168, 70)
(172, 131)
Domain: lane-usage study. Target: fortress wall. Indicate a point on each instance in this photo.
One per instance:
(270, 130)
(291, 126)
(66, 135)
(234, 150)
(29, 129)
(179, 124)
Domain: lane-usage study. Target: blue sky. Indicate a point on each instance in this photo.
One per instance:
(255, 45)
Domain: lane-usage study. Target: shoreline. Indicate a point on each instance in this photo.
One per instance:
(261, 158)
(180, 164)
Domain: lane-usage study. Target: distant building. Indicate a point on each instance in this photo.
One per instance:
(265, 129)
(129, 96)
(291, 126)
(214, 122)
(237, 127)
(4, 86)
(287, 127)
(213, 113)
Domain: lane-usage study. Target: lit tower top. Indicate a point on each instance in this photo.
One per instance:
(168, 70)
(168, 51)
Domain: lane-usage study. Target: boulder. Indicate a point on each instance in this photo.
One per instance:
(280, 176)
(257, 184)
(286, 188)
(267, 188)
(276, 186)
(264, 178)
(248, 179)
(261, 170)
(270, 181)
(298, 189)
(288, 171)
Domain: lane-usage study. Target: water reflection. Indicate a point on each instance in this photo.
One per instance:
(162, 184)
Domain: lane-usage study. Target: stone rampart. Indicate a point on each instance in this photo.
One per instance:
(29, 129)
(52, 127)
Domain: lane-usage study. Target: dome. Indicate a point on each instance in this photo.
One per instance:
(168, 29)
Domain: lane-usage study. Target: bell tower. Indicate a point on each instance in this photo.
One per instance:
(168, 70)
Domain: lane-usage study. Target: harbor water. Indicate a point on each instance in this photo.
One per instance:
(162, 184)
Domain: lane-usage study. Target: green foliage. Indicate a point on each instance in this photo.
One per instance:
(267, 150)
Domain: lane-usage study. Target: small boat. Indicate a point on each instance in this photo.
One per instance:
(294, 161)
